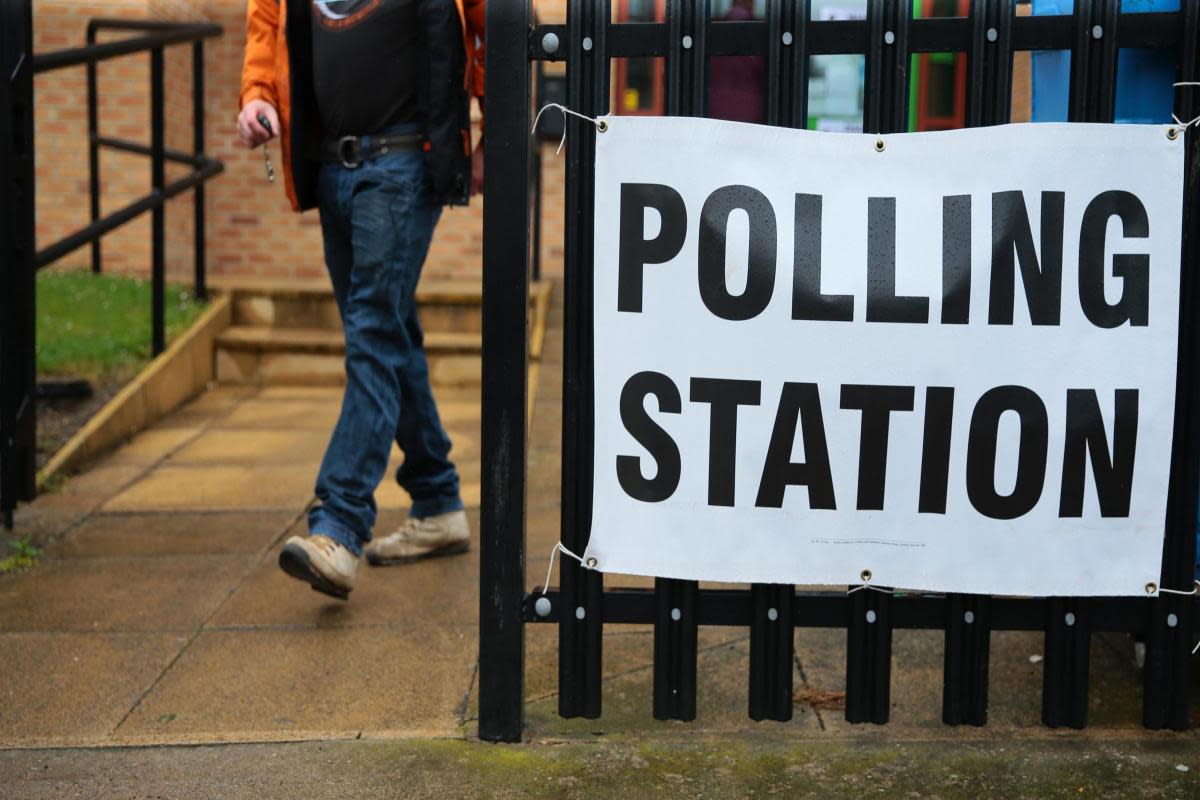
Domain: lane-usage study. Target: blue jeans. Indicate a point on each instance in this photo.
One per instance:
(377, 221)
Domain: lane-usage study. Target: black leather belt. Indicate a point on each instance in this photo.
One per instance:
(351, 154)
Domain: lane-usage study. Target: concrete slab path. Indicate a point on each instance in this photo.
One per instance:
(158, 617)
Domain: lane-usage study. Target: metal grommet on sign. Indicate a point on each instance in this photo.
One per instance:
(1172, 133)
(590, 563)
(550, 43)
(542, 607)
(879, 145)
(601, 126)
(1151, 587)
(865, 575)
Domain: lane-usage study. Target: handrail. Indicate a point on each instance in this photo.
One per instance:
(178, 33)
(17, 300)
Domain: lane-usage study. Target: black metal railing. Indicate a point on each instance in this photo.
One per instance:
(154, 36)
(581, 606)
(17, 204)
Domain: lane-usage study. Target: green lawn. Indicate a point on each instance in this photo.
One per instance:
(92, 325)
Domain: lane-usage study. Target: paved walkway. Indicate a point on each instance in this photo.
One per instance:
(158, 616)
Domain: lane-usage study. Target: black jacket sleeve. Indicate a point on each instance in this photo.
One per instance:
(445, 102)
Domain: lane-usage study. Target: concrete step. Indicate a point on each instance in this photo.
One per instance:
(315, 356)
(445, 305)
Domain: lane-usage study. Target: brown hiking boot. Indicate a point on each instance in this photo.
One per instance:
(327, 566)
(439, 535)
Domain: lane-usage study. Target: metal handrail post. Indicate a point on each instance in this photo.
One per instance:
(93, 149)
(158, 215)
(199, 233)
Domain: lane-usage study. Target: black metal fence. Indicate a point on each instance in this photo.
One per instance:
(787, 38)
(21, 259)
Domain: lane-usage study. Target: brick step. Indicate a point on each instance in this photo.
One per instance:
(445, 305)
(315, 356)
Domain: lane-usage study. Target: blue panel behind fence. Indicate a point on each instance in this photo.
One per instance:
(1144, 77)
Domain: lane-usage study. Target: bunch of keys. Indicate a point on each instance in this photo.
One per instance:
(266, 123)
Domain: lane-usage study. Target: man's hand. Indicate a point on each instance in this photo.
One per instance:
(250, 130)
(477, 169)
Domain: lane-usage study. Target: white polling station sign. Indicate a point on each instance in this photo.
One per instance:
(946, 358)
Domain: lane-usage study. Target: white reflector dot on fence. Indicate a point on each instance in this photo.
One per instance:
(871, 617)
(787, 38)
(1172, 620)
(542, 606)
(969, 617)
(580, 612)
(1069, 619)
(772, 614)
(676, 614)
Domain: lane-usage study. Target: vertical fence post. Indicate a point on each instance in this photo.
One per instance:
(772, 651)
(787, 63)
(158, 215)
(580, 631)
(1065, 678)
(869, 629)
(772, 627)
(18, 364)
(505, 372)
(1170, 626)
(676, 627)
(93, 147)
(199, 229)
(968, 617)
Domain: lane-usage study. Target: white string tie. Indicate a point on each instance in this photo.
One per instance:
(558, 548)
(1195, 120)
(1177, 591)
(1195, 649)
(600, 124)
(862, 586)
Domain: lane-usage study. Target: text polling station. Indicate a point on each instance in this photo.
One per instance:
(944, 360)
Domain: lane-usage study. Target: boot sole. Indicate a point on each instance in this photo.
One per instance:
(376, 560)
(296, 563)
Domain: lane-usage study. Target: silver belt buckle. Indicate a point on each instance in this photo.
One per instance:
(345, 150)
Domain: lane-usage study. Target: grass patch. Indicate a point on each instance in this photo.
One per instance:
(23, 556)
(92, 325)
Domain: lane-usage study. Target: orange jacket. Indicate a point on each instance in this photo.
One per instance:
(266, 72)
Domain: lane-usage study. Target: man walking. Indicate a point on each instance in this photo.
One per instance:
(369, 98)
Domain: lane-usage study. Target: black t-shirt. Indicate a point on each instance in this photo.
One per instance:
(367, 60)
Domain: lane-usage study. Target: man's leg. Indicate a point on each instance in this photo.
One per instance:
(328, 564)
(427, 474)
(391, 224)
